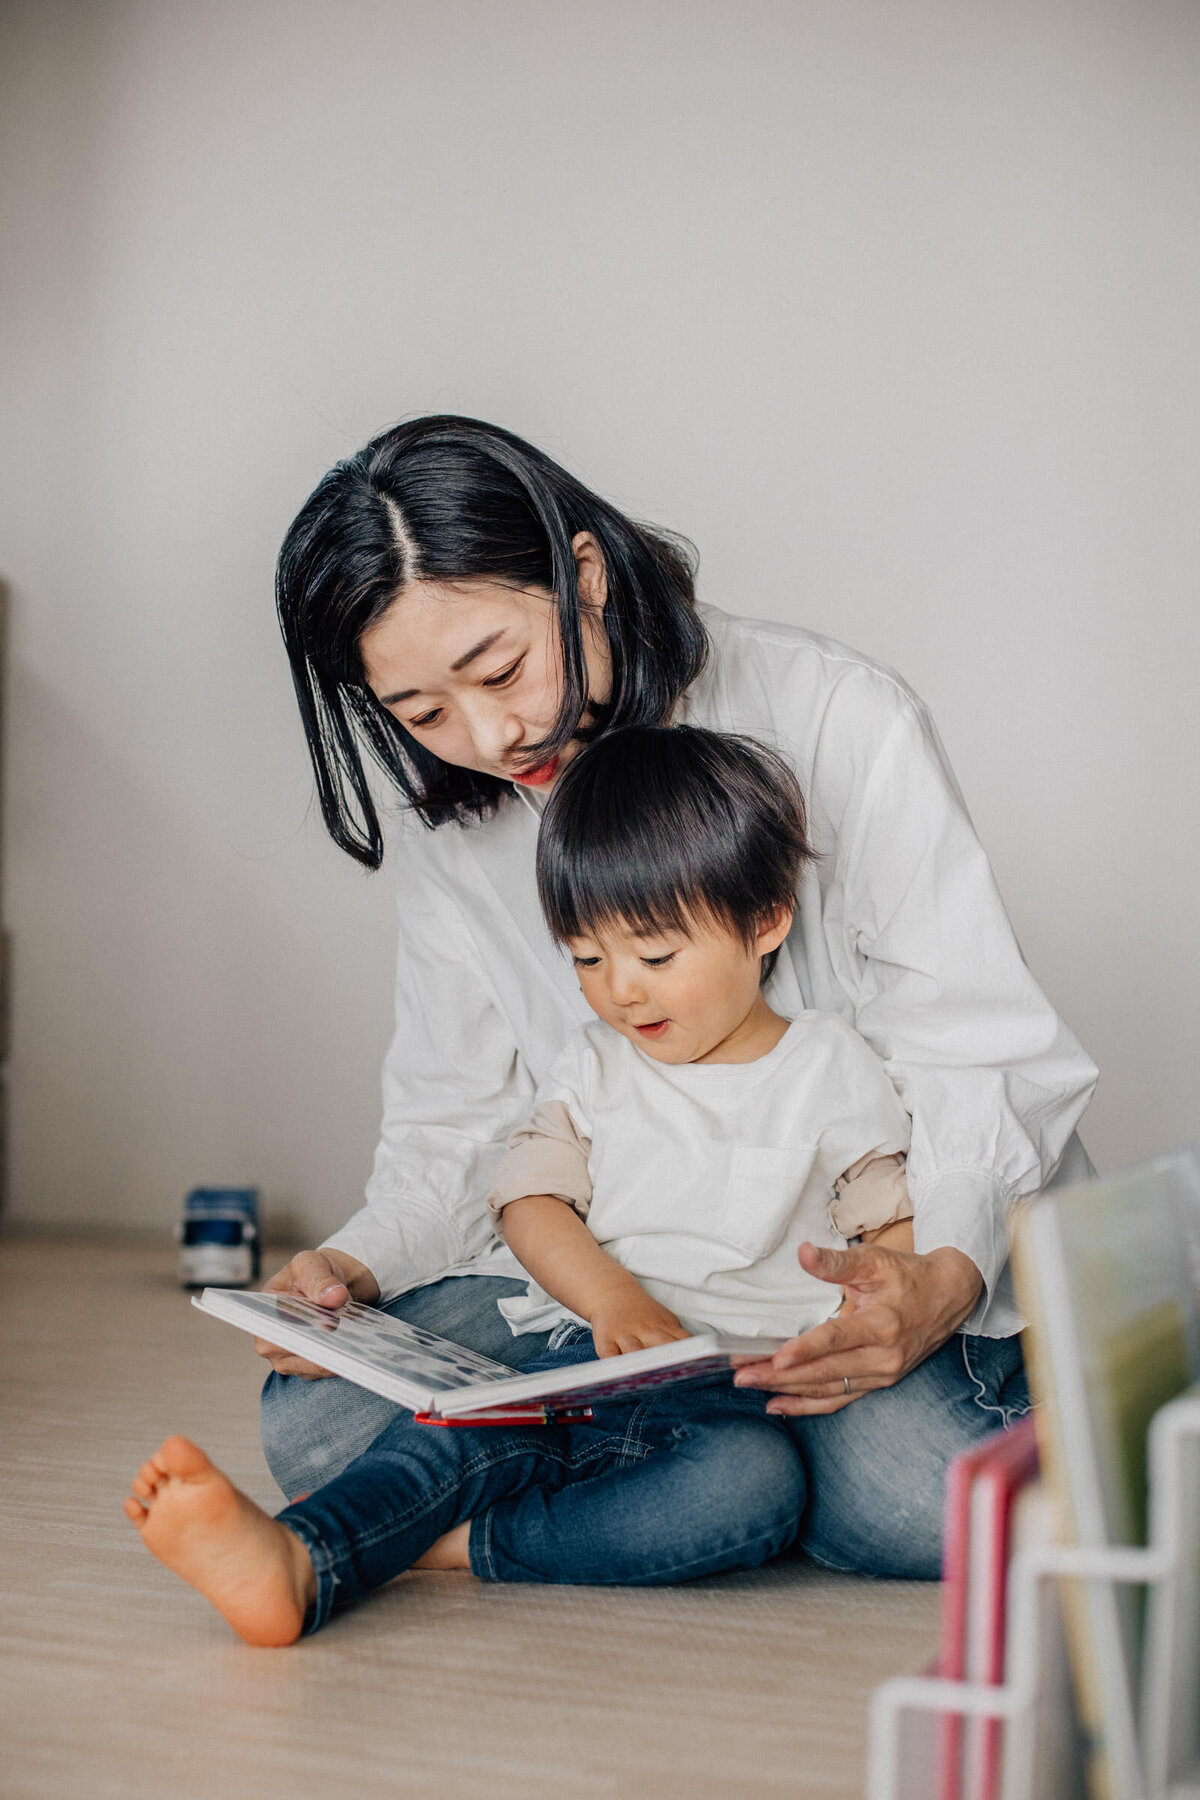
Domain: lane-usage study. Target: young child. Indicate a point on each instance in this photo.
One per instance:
(681, 1150)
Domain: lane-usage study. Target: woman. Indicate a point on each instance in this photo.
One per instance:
(461, 607)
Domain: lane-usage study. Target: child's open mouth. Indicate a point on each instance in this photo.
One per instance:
(655, 1030)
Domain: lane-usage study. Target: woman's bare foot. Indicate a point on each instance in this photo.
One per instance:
(256, 1572)
(453, 1551)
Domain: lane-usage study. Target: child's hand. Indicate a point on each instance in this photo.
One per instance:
(631, 1320)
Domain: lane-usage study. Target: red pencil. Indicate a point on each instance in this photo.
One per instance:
(517, 1415)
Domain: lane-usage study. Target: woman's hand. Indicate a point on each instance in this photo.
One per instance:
(897, 1310)
(328, 1277)
(630, 1320)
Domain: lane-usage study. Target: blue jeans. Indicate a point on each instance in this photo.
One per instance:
(873, 1475)
(630, 1495)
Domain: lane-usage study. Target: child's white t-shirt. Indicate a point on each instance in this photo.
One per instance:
(703, 1179)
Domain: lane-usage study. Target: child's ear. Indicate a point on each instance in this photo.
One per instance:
(772, 930)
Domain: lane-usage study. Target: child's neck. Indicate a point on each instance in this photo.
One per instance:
(756, 1036)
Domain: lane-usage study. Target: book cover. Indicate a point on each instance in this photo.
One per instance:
(981, 1491)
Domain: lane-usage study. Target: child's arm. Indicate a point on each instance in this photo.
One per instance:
(872, 1202)
(896, 1236)
(550, 1239)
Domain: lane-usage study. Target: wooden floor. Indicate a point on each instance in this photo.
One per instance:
(117, 1680)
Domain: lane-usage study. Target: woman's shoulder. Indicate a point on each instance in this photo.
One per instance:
(825, 1042)
(782, 666)
(836, 715)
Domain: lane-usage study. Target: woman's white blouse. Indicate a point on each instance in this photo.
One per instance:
(899, 928)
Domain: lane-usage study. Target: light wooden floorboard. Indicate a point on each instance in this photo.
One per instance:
(118, 1681)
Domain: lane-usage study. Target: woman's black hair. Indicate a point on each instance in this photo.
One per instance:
(656, 828)
(452, 499)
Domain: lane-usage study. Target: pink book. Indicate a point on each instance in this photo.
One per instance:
(981, 1489)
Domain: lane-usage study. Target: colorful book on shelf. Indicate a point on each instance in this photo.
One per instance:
(445, 1384)
(1104, 1277)
(981, 1495)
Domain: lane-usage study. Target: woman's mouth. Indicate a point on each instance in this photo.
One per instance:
(545, 772)
(656, 1030)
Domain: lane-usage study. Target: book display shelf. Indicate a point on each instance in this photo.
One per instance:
(1044, 1752)
(1095, 1692)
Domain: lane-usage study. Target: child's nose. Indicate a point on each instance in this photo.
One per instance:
(625, 989)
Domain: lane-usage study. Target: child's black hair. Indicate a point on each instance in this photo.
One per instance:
(656, 827)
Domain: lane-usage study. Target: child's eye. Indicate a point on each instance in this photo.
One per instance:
(505, 675)
(585, 962)
(659, 962)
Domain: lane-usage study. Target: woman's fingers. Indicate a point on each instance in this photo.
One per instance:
(860, 1366)
(314, 1276)
(897, 1308)
(791, 1406)
(285, 1362)
(327, 1278)
(818, 1355)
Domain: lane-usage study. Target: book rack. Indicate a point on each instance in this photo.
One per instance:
(1043, 1751)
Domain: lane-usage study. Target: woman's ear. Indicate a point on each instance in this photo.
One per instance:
(772, 930)
(590, 572)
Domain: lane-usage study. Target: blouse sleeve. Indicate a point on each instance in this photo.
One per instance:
(993, 1080)
(454, 1086)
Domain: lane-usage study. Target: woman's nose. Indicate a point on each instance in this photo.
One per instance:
(495, 732)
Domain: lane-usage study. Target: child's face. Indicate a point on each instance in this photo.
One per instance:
(680, 997)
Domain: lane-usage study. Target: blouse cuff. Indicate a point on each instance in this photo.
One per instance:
(417, 1247)
(967, 1210)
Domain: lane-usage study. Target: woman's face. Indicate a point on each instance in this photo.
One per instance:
(473, 669)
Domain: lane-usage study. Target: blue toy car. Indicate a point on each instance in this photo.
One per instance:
(219, 1244)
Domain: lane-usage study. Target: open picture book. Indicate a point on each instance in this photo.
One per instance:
(445, 1384)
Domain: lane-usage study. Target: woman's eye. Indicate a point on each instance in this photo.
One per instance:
(505, 675)
(429, 718)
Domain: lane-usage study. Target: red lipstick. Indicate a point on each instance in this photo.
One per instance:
(538, 777)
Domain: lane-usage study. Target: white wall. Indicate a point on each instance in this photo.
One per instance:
(891, 307)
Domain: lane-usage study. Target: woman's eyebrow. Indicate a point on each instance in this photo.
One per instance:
(469, 657)
(483, 644)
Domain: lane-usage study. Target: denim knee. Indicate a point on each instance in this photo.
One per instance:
(754, 1485)
(877, 1469)
(311, 1430)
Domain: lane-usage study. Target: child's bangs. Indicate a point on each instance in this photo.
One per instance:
(601, 885)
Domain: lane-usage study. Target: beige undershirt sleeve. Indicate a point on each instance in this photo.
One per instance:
(872, 1192)
(546, 1156)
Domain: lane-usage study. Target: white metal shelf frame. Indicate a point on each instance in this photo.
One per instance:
(1169, 1761)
